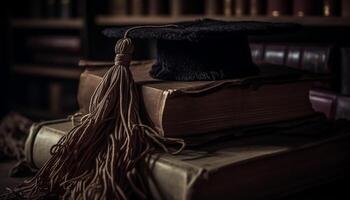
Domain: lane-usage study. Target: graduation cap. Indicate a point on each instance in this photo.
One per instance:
(204, 49)
(100, 157)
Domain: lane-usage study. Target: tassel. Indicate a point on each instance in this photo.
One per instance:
(99, 158)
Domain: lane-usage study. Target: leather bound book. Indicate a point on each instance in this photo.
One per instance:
(138, 7)
(345, 8)
(331, 8)
(242, 7)
(324, 101)
(257, 51)
(257, 7)
(177, 107)
(177, 7)
(345, 71)
(118, 7)
(157, 7)
(229, 7)
(343, 108)
(303, 8)
(213, 7)
(262, 166)
(278, 7)
(275, 54)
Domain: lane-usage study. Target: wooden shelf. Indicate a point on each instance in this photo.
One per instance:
(48, 71)
(48, 23)
(105, 20)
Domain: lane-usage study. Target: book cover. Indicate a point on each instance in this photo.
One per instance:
(257, 7)
(166, 102)
(229, 166)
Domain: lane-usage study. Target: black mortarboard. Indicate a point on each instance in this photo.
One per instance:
(204, 49)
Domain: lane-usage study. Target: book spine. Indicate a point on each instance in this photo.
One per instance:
(228, 7)
(137, 7)
(65, 9)
(345, 71)
(257, 7)
(156, 7)
(36, 9)
(345, 8)
(303, 8)
(176, 7)
(277, 8)
(212, 7)
(331, 8)
(118, 7)
(241, 7)
(51, 8)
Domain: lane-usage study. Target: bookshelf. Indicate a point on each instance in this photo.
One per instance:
(87, 18)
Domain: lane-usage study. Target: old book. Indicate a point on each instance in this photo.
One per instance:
(157, 7)
(303, 8)
(65, 8)
(262, 166)
(331, 8)
(138, 7)
(192, 107)
(345, 8)
(228, 7)
(242, 7)
(213, 7)
(118, 7)
(257, 7)
(277, 8)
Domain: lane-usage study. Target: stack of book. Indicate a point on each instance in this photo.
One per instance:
(231, 7)
(243, 138)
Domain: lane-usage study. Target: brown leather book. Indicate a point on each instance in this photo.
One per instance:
(242, 7)
(331, 8)
(277, 8)
(264, 166)
(138, 7)
(257, 7)
(303, 8)
(157, 7)
(187, 108)
(213, 7)
(345, 8)
(118, 7)
(228, 7)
